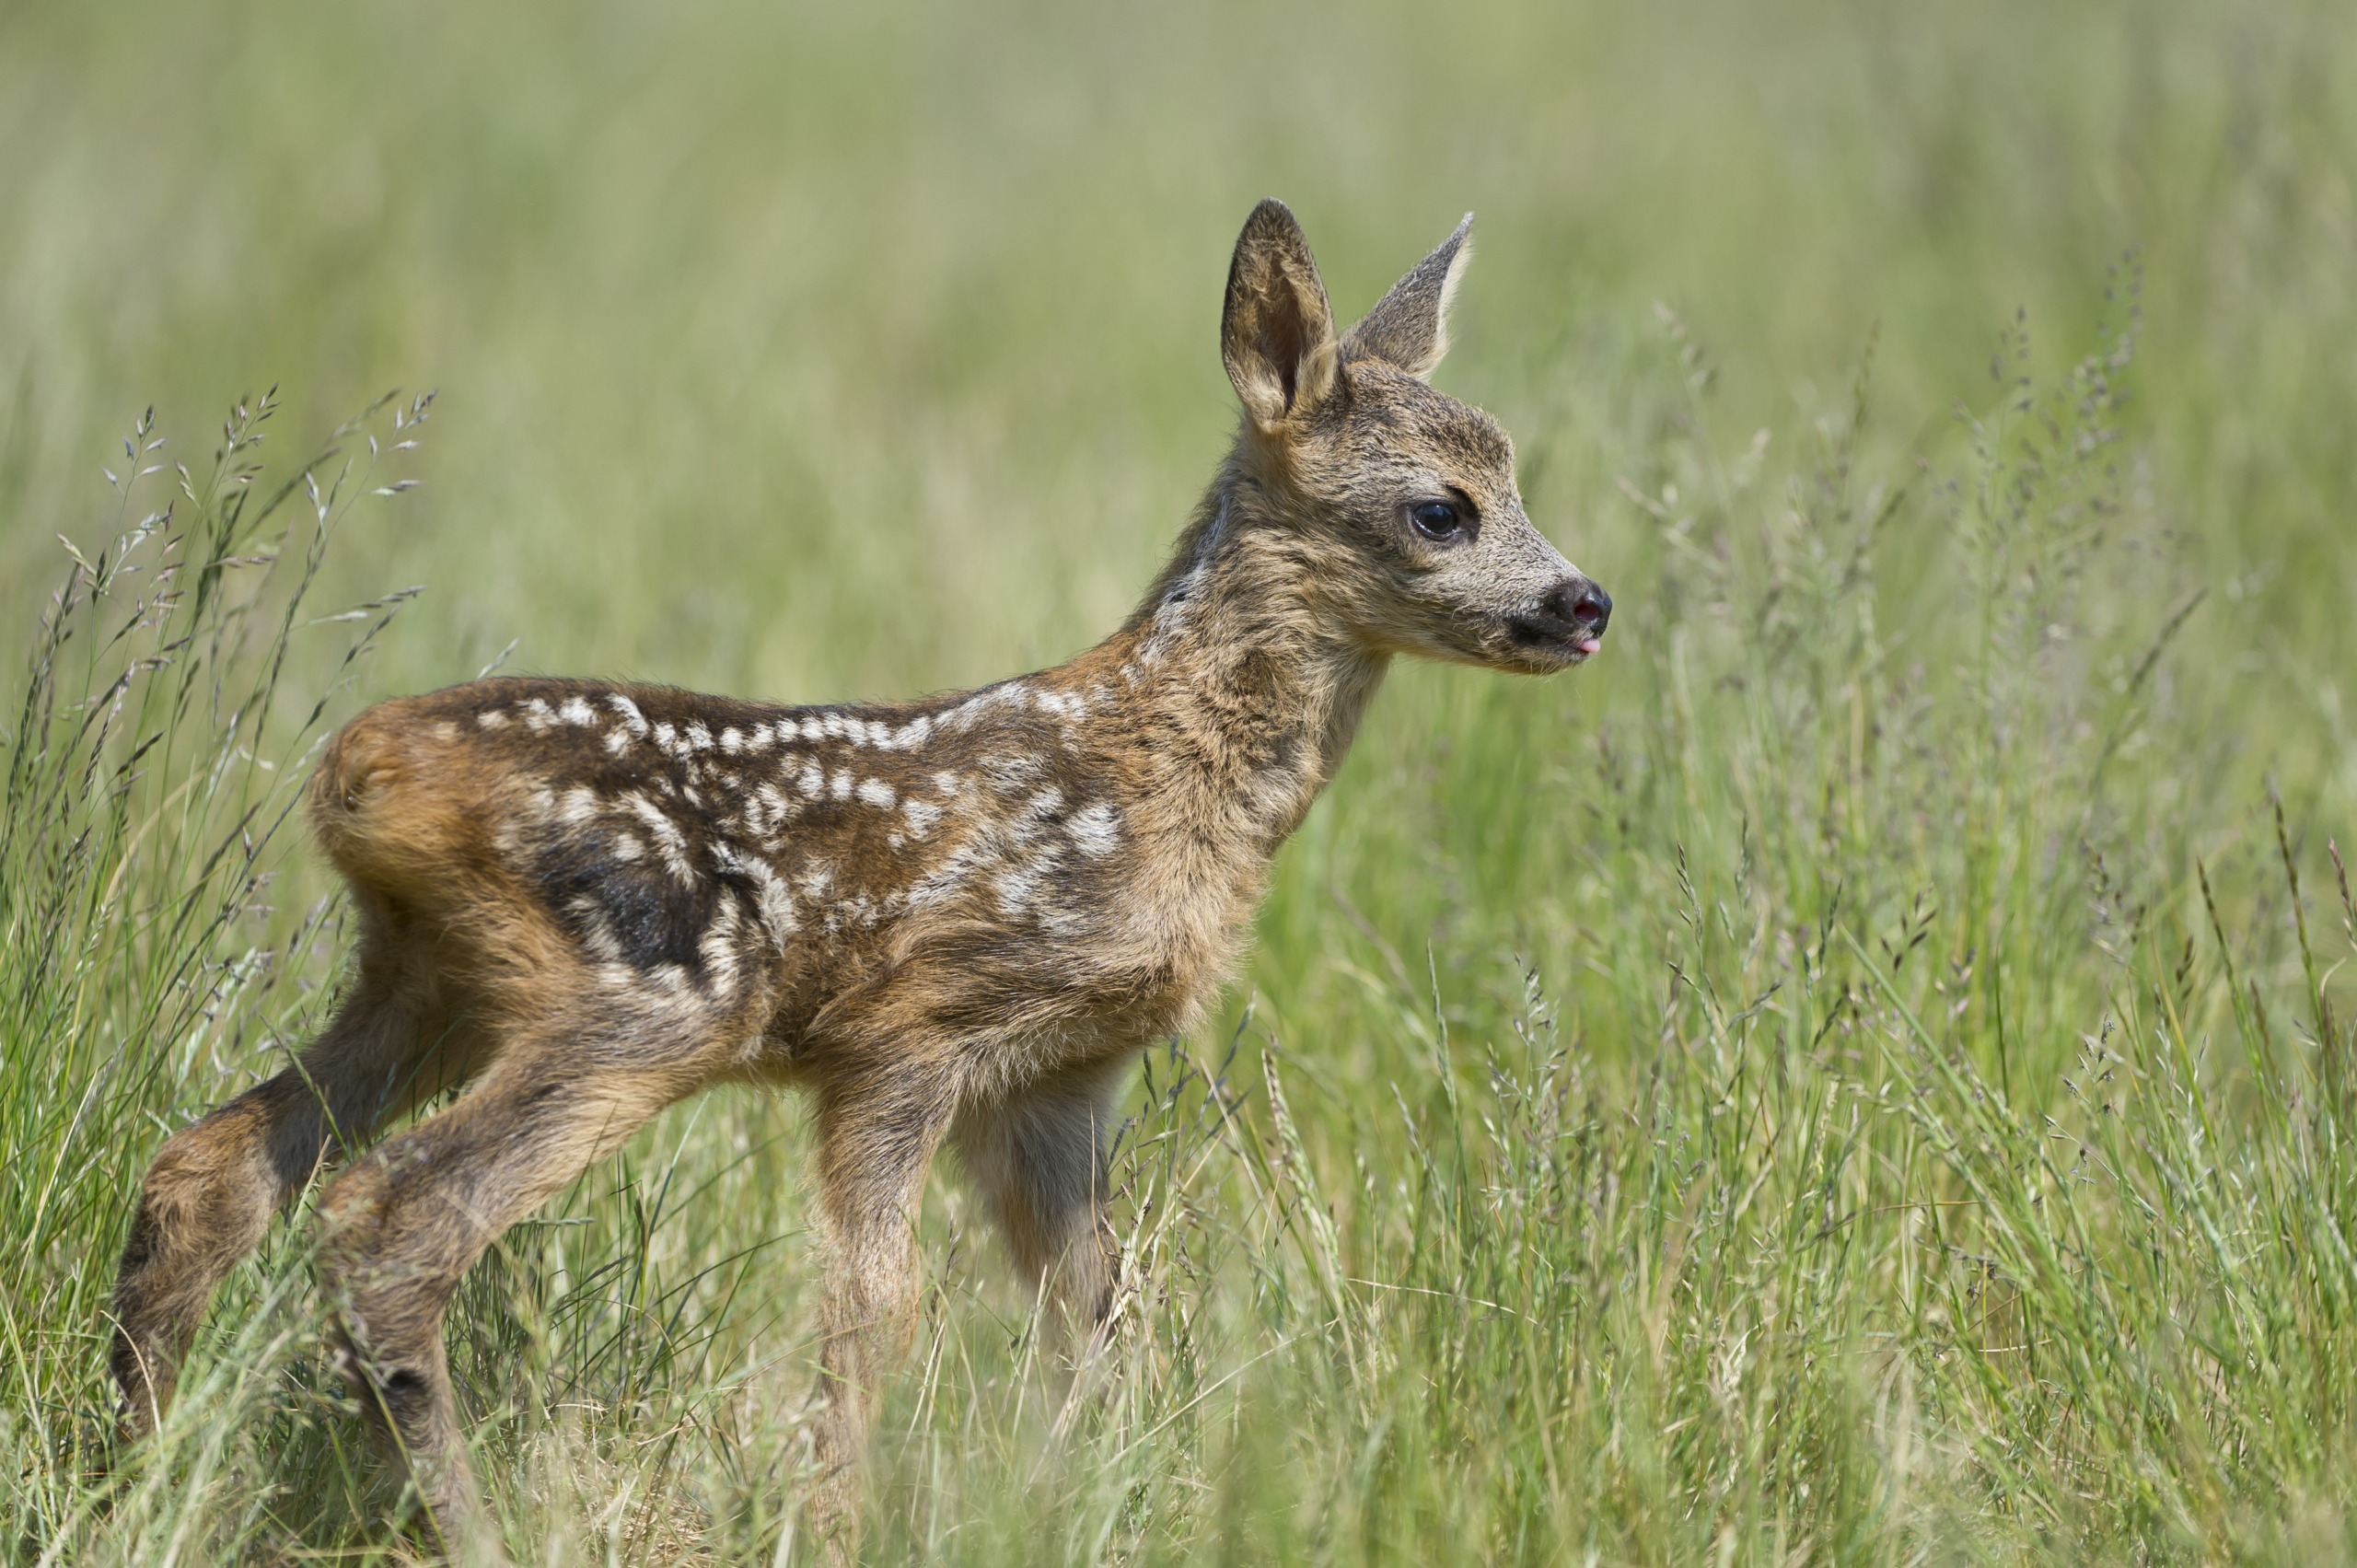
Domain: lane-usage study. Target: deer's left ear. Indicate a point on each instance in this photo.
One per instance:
(1409, 327)
(1276, 335)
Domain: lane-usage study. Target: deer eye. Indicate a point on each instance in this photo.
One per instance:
(1436, 520)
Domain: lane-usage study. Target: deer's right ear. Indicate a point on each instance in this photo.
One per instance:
(1409, 326)
(1277, 333)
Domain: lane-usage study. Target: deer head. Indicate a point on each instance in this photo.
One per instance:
(1399, 499)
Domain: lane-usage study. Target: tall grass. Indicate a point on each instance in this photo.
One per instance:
(153, 762)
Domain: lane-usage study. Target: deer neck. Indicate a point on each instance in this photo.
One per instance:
(1247, 692)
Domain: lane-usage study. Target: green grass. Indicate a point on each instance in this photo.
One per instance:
(1862, 1073)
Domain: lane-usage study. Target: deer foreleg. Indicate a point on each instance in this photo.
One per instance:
(1038, 1159)
(876, 1142)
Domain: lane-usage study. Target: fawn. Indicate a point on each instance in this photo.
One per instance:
(958, 919)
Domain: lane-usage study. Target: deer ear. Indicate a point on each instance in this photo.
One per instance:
(1277, 333)
(1409, 327)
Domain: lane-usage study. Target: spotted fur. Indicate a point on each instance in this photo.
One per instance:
(954, 920)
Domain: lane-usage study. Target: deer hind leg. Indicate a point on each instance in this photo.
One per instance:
(1038, 1159)
(215, 1186)
(401, 1226)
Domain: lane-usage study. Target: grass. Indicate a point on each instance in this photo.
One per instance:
(1862, 1073)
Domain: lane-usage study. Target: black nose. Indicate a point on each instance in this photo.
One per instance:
(1593, 606)
(1579, 605)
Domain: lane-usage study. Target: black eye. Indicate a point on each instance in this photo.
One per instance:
(1435, 519)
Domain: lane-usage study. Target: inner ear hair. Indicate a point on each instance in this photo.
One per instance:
(1277, 330)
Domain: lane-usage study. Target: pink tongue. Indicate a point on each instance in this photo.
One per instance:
(1588, 644)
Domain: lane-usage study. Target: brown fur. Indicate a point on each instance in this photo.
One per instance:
(951, 920)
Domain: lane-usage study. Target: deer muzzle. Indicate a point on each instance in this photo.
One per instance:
(1568, 623)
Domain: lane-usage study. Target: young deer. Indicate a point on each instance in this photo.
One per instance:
(956, 918)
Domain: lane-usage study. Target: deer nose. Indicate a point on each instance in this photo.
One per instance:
(1579, 605)
(1593, 605)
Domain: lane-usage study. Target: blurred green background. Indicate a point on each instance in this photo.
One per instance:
(830, 352)
(819, 351)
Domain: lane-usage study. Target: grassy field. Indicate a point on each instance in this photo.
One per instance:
(1867, 1072)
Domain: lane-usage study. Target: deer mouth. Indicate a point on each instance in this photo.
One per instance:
(1545, 641)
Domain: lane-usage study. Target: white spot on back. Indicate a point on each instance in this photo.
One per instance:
(777, 911)
(490, 718)
(599, 937)
(945, 878)
(670, 843)
(576, 712)
(1006, 694)
(878, 794)
(1008, 775)
(767, 809)
(1095, 831)
(632, 718)
(773, 903)
(1017, 887)
(718, 947)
